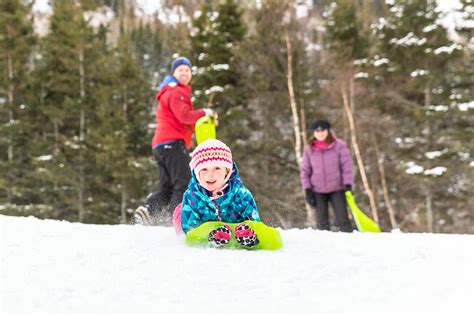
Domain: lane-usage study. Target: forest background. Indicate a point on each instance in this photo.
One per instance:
(395, 78)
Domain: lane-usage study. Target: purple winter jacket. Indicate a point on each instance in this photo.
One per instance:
(327, 170)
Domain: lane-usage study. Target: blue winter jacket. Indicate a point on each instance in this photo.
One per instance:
(236, 205)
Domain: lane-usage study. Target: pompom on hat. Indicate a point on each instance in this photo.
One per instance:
(211, 153)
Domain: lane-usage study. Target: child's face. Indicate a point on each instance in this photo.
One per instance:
(213, 178)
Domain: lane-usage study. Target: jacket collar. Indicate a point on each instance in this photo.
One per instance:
(169, 83)
(232, 186)
(330, 146)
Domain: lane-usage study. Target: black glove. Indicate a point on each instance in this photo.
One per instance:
(348, 188)
(310, 197)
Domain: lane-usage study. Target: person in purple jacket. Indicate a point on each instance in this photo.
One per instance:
(326, 174)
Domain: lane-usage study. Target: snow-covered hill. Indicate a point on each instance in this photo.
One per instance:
(53, 266)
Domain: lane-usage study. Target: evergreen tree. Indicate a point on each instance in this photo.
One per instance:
(217, 81)
(464, 84)
(417, 57)
(415, 44)
(121, 135)
(153, 58)
(66, 79)
(16, 47)
(457, 122)
(344, 32)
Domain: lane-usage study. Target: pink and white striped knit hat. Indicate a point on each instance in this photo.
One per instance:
(211, 153)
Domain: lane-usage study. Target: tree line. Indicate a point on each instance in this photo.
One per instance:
(77, 104)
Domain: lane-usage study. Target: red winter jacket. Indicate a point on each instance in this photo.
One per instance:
(175, 116)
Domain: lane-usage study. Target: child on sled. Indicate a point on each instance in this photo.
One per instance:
(216, 193)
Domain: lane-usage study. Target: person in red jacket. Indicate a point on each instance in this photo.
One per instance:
(175, 119)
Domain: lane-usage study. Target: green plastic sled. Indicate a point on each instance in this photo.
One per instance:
(205, 129)
(269, 237)
(363, 222)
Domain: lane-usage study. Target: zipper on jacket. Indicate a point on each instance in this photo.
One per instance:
(217, 210)
(324, 171)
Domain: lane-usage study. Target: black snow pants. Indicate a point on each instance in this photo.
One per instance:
(173, 166)
(339, 205)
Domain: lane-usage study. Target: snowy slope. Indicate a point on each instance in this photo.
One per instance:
(53, 266)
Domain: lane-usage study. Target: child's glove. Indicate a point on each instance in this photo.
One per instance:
(348, 188)
(245, 236)
(310, 197)
(220, 236)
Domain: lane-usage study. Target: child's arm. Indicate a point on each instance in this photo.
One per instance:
(250, 206)
(190, 218)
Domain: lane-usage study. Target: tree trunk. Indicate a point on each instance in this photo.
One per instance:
(56, 135)
(11, 118)
(124, 104)
(429, 211)
(358, 155)
(282, 220)
(310, 217)
(123, 204)
(291, 94)
(427, 92)
(351, 94)
(81, 207)
(428, 194)
(124, 192)
(304, 136)
(383, 180)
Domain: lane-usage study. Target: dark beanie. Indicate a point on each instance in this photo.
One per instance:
(321, 125)
(180, 61)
